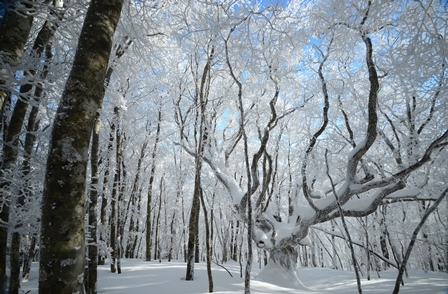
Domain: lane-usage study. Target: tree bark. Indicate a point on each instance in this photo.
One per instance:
(28, 259)
(14, 34)
(193, 227)
(114, 218)
(173, 221)
(44, 41)
(120, 50)
(62, 237)
(103, 240)
(150, 191)
(207, 243)
(14, 31)
(201, 97)
(92, 248)
(157, 224)
(131, 207)
(282, 264)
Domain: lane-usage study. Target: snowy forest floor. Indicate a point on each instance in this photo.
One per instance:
(139, 277)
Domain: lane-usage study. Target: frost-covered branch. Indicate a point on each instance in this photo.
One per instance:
(305, 187)
(231, 185)
(380, 256)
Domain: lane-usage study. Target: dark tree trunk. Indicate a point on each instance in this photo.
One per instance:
(151, 182)
(92, 249)
(157, 224)
(14, 280)
(207, 244)
(383, 238)
(120, 210)
(28, 259)
(104, 199)
(114, 218)
(148, 234)
(14, 31)
(201, 96)
(119, 255)
(172, 233)
(197, 253)
(62, 237)
(120, 50)
(192, 230)
(235, 241)
(184, 244)
(30, 139)
(131, 210)
(137, 238)
(172, 229)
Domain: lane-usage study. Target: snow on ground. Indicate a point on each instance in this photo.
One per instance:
(140, 277)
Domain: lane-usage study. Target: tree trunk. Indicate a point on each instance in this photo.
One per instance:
(121, 193)
(234, 243)
(282, 265)
(28, 259)
(114, 218)
(131, 208)
(14, 31)
(383, 238)
(172, 228)
(201, 99)
(92, 249)
(14, 280)
(192, 229)
(157, 224)
(119, 247)
(207, 243)
(120, 50)
(151, 182)
(102, 254)
(62, 238)
(184, 238)
(13, 36)
(30, 139)
(137, 237)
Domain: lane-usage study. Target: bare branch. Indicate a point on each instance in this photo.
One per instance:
(313, 140)
(380, 256)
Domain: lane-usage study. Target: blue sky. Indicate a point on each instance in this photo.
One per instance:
(275, 2)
